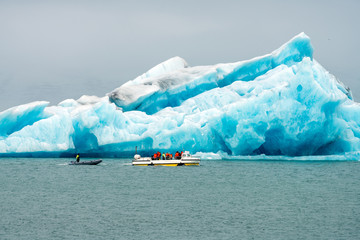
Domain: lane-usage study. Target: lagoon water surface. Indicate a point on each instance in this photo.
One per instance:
(48, 199)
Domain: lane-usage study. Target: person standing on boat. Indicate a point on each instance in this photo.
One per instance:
(78, 158)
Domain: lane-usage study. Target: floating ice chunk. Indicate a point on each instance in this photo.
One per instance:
(280, 104)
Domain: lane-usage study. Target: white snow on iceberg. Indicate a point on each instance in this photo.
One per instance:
(284, 103)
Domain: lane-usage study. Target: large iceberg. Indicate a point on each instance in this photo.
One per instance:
(284, 103)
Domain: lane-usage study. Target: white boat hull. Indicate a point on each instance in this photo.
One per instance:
(184, 161)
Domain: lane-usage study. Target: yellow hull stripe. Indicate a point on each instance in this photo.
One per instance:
(169, 165)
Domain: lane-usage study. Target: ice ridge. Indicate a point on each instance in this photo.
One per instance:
(154, 91)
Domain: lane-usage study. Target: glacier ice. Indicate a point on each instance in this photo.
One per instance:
(283, 103)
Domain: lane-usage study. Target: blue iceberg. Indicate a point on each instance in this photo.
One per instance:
(280, 104)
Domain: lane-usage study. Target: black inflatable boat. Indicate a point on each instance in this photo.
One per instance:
(93, 162)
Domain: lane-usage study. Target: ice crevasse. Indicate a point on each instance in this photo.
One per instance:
(282, 103)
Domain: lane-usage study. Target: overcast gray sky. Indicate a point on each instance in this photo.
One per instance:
(54, 50)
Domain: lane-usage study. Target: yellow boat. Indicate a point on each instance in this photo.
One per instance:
(186, 160)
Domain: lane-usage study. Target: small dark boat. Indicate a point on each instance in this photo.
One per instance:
(93, 162)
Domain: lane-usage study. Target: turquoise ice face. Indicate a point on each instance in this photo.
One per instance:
(283, 103)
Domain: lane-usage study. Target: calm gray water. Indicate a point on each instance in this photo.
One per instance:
(47, 199)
